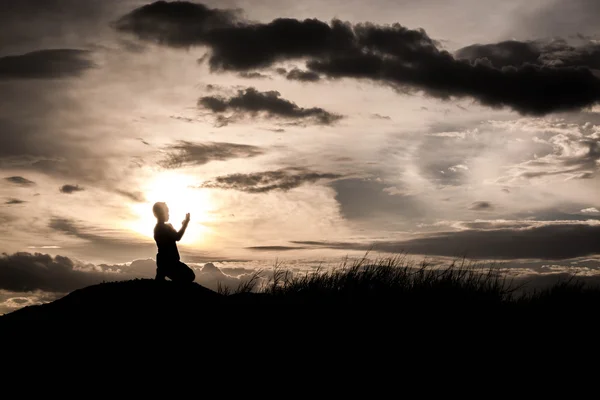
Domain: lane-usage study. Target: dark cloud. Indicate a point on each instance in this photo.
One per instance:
(275, 248)
(135, 196)
(303, 76)
(19, 180)
(177, 24)
(481, 206)
(27, 25)
(503, 54)
(556, 52)
(262, 182)
(379, 116)
(25, 272)
(529, 90)
(253, 75)
(185, 153)
(15, 201)
(48, 39)
(548, 242)
(68, 189)
(22, 272)
(502, 224)
(70, 227)
(236, 271)
(45, 64)
(251, 102)
(392, 54)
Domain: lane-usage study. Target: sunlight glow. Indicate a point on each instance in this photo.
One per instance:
(178, 191)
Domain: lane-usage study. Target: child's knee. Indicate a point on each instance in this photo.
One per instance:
(191, 276)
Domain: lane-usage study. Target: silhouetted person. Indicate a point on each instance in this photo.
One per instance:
(166, 237)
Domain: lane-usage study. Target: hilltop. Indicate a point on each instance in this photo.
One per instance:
(363, 299)
(355, 319)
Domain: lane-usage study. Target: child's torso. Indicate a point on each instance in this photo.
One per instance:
(164, 235)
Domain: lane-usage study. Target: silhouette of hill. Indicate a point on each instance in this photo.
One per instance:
(136, 300)
(352, 319)
(360, 298)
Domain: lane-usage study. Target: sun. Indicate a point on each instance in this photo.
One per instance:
(182, 195)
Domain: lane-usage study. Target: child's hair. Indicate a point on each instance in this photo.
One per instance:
(159, 209)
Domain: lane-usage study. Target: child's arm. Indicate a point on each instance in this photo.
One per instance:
(184, 225)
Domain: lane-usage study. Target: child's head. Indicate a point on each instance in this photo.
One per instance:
(161, 211)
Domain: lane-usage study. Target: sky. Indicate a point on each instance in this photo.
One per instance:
(296, 132)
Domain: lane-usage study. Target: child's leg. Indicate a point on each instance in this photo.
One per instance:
(160, 269)
(160, 275)
(180, 272)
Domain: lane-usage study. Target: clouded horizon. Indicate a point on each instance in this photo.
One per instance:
(297, 131)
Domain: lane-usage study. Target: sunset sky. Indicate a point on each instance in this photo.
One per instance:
(300, 131)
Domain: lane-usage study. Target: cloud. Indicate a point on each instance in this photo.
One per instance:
(35, 24)
(275, 248)
(549, 19)
(208, 274)
(573, 152)
(185, 153)
(250, 102)
(393, 191)
(135, 196)
(38, 143)
(15, 201)
(266, 181)
(22, 272)
(70, 227)
(481, 206)
(99, 243)
(253, 75)
(591, 210)
(503, 54)
(68, 189)
(389, 54)
(553, 241)
(555, 52)
(374, 201)
(11, 301)
(178, 24)
(27, 272)
(302, 76)
(456, 168)
(379, 116)
(19, 180)
(45, 64)
(212, 277)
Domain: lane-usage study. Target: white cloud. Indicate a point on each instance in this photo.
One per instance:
(455, 168)
(393, 190)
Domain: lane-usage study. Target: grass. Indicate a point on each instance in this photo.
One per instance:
(396, 283)
(384, 312)
(390, 276)
(379, 294)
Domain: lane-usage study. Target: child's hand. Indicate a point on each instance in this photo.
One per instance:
(187, 218)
